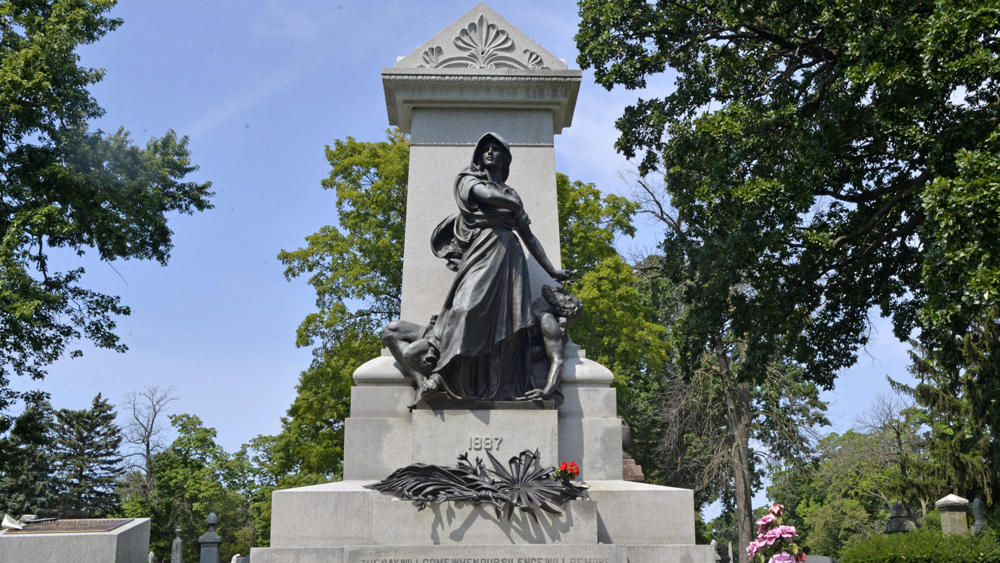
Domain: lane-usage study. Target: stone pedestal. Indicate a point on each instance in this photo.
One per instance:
(619, 521)
(127, 543)
(381, 435)
(503, 432)
(953, 514)
(480, 74)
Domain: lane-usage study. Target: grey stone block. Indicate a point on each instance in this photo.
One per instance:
(400, 523)
(375, 447)
(488, 554)
(608, 553)
(642, 514)
(328, 515)
(346, 513)
(381, 371)
(579, 370)
(297, 555)
(381, 401)
(439, 436)
(588, 401)
(464, 126)
(126, 544)
(594, 443)
(669, 553)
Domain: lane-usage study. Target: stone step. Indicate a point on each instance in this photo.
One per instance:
(489, 554)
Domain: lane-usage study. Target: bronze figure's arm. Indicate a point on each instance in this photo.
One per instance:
(536, 250)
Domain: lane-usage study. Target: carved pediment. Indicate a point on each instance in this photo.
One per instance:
(482, 40)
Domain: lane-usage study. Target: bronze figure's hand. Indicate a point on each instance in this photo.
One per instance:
(562, 275)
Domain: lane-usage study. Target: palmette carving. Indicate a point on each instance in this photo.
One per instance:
(484, 46)
(533, 60)
(484, 43)
(433, 55)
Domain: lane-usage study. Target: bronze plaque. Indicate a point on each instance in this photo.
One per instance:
(72, 526)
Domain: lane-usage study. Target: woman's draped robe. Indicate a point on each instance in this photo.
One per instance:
(482, 333)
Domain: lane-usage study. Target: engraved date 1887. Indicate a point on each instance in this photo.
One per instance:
(484, 443)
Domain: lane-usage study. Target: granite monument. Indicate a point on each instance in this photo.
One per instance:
(479, 364)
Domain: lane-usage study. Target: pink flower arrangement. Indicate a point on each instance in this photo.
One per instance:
(775, 542)
(764, 523)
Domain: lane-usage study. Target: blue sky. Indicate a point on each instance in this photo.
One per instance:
(261, 86)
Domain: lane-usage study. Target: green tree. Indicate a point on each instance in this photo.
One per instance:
(955, 439)
(88, 461)
(824, 159)
(64, 186)
(27, 481)
(618, 328)
(848, 490)
(832, 525)
(356, 268)
(194, 477)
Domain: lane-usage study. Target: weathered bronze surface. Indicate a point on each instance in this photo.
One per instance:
(522, 485)
(479, 347)
(440, 401)
(76, 526)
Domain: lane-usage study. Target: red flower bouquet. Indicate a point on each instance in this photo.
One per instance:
(567, 471)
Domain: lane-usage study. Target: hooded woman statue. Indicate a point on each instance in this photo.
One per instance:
(478, 346)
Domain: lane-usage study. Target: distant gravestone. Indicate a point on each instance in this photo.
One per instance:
(978, 517)
(953, 518)
(897, 520)
(210, 541)
(631, 471)
(177, 549)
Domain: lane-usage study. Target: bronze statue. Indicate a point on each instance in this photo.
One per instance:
(554, 311)
(479, 346)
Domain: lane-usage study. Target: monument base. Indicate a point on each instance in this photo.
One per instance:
(619, 522)
(488, 554)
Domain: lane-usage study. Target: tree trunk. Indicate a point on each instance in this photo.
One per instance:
(738, 417)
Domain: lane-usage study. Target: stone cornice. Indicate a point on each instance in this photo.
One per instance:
(410, 88)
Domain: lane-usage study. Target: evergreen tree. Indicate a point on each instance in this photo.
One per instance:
(27, 484)
(88, 461)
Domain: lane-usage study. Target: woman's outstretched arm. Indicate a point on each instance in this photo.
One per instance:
(536, 250)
